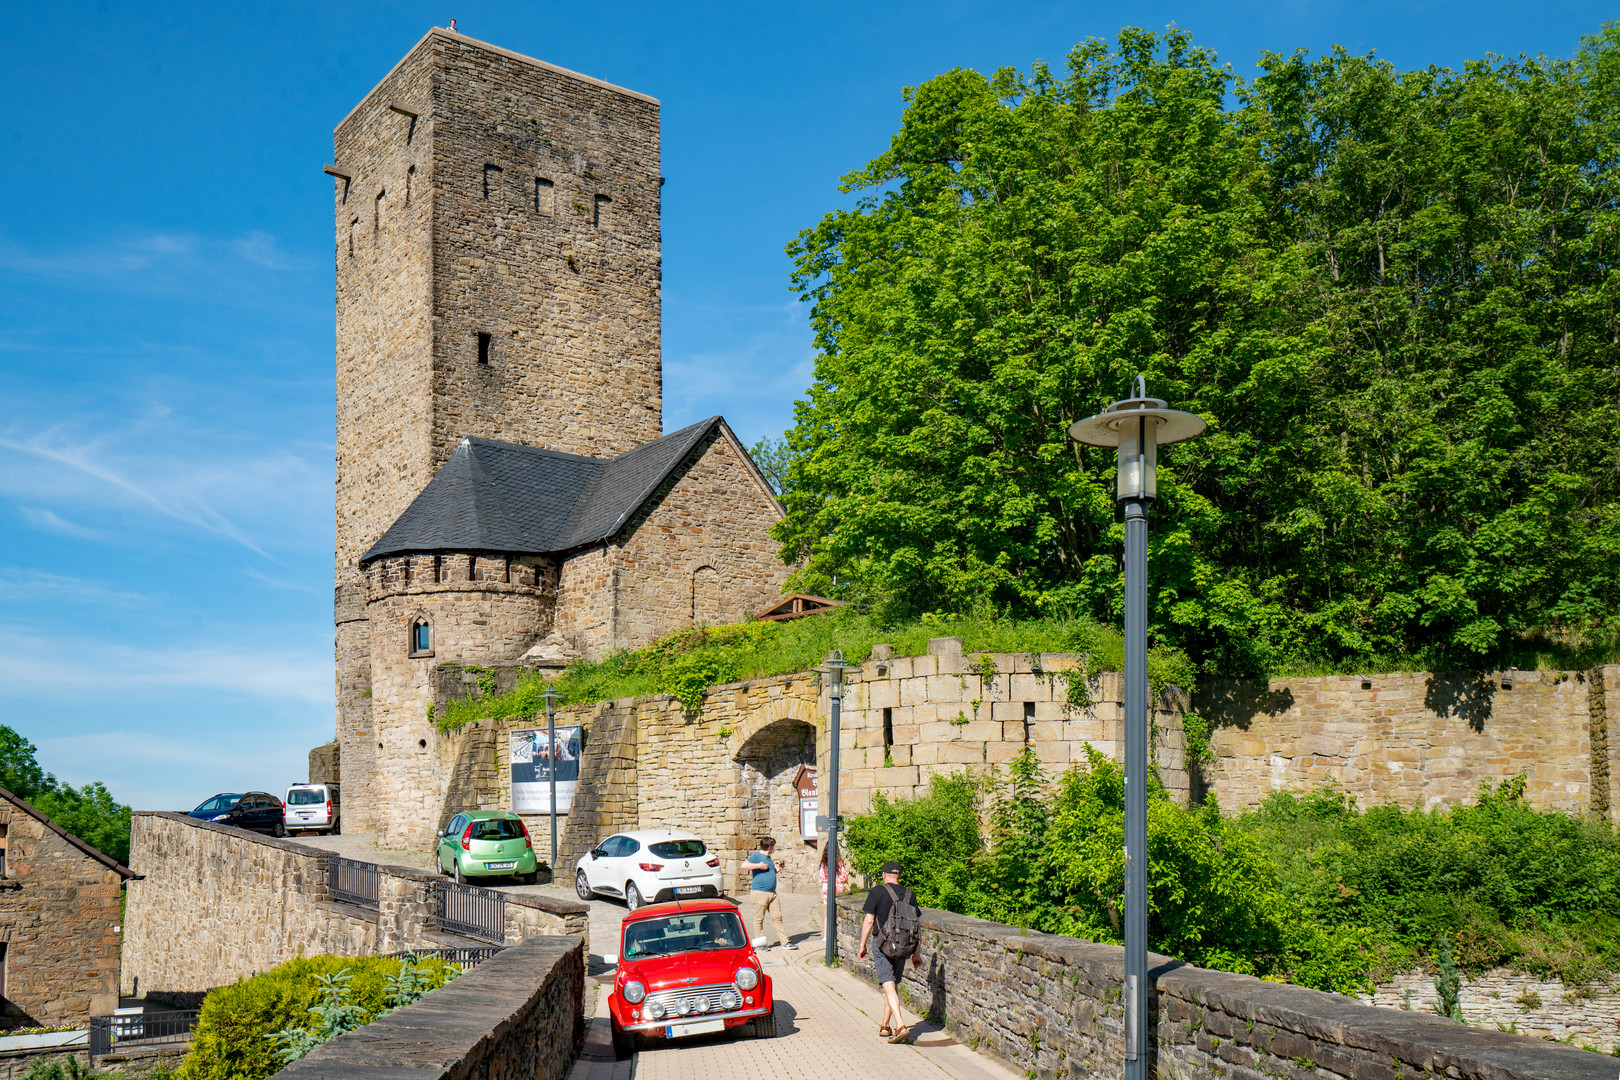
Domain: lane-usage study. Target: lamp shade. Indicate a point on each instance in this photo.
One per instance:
(1138, 427)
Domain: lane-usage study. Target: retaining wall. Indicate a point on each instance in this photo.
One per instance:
(217, 904)
(517, 1014)
(1051, 1006)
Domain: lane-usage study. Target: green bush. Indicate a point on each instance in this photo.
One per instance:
(233, 1036)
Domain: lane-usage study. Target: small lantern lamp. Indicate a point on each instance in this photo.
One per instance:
(1138, 426)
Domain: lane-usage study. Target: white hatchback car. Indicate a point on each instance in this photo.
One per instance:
(648, 867)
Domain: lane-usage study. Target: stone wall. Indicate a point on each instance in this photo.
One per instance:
(325, 763)
(517, 1014)
(1051, 1006)
(217, 904)
(1418, 739)
(1501, 999)
(58, 926)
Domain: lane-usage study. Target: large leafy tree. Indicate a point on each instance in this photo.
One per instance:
(90, 813)
(1391, 293)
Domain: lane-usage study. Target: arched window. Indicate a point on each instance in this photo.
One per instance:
(708, 606)
(421, 643)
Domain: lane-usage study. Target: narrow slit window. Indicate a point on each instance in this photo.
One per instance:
(492, 179)
(376, 211)
(888, 728)
(352, 223)
(3, 831)
(1029, 718)
(600, 219)
(545, 193)
(410, 184)
(483, 348)
(3, 958)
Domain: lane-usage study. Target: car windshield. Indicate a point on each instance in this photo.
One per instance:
(683, 933)
(305, 796)
(495, 829)
(220, 803)
(678, 849)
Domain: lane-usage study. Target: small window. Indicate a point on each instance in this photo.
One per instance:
(600, 218)
(492, 179)
(483, 348)
(4, 829)
(421, 638)
(410, 182)
(544, 195)
(1029, 718)
(376, 211)
(888, 728)
(3, 951)
(352, 223)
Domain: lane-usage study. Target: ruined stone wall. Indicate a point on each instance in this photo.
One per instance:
(1051, 1006)
(1418, 739)
(216, 904)
(518, 1014)
(59, 925)
(1502, 999)
(701, 551)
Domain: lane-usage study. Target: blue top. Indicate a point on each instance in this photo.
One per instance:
(764, 880)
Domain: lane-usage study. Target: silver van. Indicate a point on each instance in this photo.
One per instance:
(312, 808)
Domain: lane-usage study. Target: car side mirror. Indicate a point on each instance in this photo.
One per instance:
(757, 942)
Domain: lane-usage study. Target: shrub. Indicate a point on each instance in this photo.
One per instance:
(233, 1036)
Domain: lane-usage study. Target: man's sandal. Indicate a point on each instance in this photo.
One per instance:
(900, 1035)
(884, 1031)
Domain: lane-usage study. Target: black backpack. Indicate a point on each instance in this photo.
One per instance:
(901, 932)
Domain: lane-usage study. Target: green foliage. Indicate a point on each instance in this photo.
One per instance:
(1448, 985)
(90, 812)
(1307, 888)
(336, 1012)
(686, 663)
(1388, 292)
(235, 1035)
(774, 457)
(61, 1068)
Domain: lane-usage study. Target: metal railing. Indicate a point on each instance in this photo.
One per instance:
(139, 1030)
(462, 958)
(473, 912)
(353, 882)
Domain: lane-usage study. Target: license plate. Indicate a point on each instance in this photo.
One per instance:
(306, 817)
(688, 890)
(500, 865)
(702, 1027)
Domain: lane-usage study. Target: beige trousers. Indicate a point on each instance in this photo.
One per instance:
(763, 902)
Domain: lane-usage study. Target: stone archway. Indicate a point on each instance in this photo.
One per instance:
(768, 761)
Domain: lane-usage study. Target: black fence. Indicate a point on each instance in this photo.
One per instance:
(472, 912)
(132, 1031)
(353, 882)
(462, 958)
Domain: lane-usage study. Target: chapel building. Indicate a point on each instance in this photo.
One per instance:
(504, 486)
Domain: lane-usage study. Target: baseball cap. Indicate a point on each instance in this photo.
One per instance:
(891, 867)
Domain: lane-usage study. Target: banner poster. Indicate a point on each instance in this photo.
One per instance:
(532, 762)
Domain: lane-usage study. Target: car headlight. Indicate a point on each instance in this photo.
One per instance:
(747, 978)
(633, 992)
(222, 817)
(655, 1010)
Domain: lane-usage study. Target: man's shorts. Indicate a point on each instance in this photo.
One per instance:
(885, 967)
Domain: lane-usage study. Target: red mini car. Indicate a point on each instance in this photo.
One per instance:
(687, 968)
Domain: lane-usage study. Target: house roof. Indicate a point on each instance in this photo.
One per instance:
(501, 496)
(95, 853)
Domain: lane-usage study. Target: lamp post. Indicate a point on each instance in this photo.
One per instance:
(834, 667)
(551, 697)
(1138, 426)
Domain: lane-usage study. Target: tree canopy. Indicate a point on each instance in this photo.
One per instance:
(1392, 294)
(90, 812)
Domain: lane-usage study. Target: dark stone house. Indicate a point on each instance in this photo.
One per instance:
(59, 922)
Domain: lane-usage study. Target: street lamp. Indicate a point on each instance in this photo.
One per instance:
(834, 667)
(1138, 426)
(551, 697)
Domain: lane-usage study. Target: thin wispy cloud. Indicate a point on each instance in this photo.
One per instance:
(48, 521)
(278, 583)
(145, 254)
(18, 584)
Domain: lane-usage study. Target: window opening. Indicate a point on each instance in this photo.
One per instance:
(3, 958)
(352, 223)
(483, 348)
(1029, 718)
(421, 637)
(888, 728)
(376, 211)
(410, 183)
(3, 830)
(544, 195)
(600, 218)
(492, 178)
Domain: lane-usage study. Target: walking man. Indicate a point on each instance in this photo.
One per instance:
(892, 910)
(763, 891)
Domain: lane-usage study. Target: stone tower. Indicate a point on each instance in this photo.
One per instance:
(498, 269)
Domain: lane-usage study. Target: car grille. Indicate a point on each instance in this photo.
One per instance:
(696, 1000)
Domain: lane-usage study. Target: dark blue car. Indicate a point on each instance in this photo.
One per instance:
(255, 810)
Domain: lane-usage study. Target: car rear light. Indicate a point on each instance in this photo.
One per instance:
(328, 807)
(466, 838)
(528, 841)
(712, 862)
(652, 867)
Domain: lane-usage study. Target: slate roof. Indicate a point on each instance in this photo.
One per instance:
(501, 496)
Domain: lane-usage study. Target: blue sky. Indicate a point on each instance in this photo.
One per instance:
(166, 325)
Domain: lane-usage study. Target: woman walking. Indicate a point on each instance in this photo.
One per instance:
(842, 886)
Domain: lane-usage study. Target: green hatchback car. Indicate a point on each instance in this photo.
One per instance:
(487, 843)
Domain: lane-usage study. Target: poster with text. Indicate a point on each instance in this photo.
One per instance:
(532, 765)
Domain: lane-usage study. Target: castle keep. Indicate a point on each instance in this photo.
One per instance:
(504, 487)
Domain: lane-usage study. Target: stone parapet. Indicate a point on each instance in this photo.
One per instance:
(1052, 1006)
(518, 1014)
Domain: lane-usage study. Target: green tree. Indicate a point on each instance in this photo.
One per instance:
(90, 813)
(1390, 293)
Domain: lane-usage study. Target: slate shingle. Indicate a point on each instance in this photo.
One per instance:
(500, 496)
